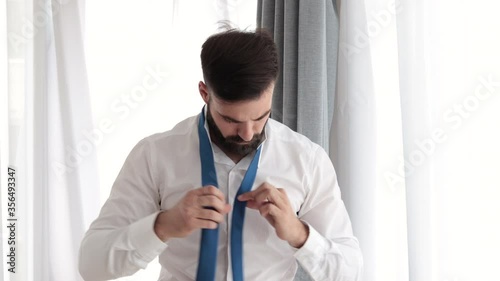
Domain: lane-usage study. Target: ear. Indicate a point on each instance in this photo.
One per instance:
(203, 89)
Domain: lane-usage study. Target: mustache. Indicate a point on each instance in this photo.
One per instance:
(238, 139)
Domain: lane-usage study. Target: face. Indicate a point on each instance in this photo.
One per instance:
(237, 127)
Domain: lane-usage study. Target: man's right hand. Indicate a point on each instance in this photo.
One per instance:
(204, 207)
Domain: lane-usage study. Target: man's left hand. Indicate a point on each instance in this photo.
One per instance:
(273, 204)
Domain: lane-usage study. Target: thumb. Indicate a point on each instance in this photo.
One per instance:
(253, 205)
(245, 196)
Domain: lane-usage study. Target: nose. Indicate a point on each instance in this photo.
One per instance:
(245, 131)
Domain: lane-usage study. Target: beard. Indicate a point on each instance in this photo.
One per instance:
(232, 144)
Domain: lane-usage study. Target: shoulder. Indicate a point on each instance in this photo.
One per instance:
(179, 134)
(182, 137)
(288, 146)
(282, 135)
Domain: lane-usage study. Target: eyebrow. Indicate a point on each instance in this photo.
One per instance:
(237, 121)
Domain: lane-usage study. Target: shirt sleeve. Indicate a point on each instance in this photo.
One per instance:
(331, 252)
(122, 239)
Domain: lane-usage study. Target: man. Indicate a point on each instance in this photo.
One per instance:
(167, 199)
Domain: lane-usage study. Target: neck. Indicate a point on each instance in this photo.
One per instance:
(235, 157)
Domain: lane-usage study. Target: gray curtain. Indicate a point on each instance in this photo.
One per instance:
(306, 33)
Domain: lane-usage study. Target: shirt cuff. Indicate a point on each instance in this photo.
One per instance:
(314, 247)
(144, 240)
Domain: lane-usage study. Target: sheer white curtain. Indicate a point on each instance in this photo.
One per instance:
(450, 86)
(353, 134)
(4, 144)
(431, 211)
(49, 133)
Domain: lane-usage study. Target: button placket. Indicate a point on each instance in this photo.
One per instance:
(230, 197)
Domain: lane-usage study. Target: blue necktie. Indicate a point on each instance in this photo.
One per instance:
(209, 237)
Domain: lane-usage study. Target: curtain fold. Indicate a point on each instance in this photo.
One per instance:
(353, 135)
(54, 151)
(306, 34)
(416, 105)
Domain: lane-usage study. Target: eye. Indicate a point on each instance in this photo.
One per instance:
(262, 118)
(228, 120)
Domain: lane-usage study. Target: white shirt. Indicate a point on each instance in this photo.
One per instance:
(162, 168)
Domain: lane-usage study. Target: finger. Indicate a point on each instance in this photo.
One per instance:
(281, 198)
(265, 197)
(211, 215)
(270, 212)
(260, 200)
(251, 195)
(211, 190)
(207, 224)
(211, 201)
(224, 211)
(254, 205)
(247, 196)
(270, 194)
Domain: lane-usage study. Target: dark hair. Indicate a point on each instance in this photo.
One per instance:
(239, 65)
